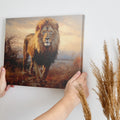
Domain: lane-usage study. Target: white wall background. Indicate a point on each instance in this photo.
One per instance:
(102, 22)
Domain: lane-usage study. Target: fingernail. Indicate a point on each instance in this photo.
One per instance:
(3, 69)
(78, 73)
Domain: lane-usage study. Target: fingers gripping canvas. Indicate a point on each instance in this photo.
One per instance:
(43, 51)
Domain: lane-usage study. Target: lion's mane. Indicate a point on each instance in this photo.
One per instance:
(33, 44)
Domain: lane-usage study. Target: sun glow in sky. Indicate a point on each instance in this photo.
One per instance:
(70, 28)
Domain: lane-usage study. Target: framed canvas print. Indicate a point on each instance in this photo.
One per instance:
(43, 51)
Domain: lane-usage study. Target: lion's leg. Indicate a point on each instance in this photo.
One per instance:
(25, 58)
(31, 66)
(46, 72)
(25, 54)
(36, 71)
(41, 70)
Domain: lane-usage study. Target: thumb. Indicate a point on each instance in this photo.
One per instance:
(3, 72)
(75, 76)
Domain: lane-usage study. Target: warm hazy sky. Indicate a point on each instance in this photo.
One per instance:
(70, 28)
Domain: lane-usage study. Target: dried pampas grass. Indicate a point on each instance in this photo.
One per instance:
(108, 84)
(86, 110)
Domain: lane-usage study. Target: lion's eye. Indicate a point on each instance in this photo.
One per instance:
(51, 32)
(43, 32)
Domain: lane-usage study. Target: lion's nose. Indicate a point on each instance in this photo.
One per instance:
(47, 38)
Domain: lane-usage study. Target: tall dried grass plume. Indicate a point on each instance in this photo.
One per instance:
(86, 109)
(108, 84)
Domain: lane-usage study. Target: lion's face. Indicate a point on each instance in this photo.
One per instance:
(47, 35)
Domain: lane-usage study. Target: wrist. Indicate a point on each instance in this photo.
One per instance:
(67, 105)
(71, 101)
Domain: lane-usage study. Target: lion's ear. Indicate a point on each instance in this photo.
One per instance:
(37, 28)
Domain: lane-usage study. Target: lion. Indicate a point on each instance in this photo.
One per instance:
(42, 47)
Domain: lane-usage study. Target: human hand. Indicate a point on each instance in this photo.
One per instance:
(3, 84)
(71, 90)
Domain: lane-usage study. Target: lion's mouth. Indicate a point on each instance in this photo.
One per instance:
(47, 44)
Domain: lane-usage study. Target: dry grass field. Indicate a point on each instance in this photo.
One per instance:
(60, 72)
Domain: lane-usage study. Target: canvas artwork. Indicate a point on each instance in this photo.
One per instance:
(43, 51)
